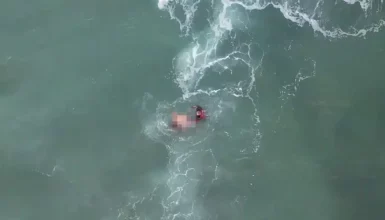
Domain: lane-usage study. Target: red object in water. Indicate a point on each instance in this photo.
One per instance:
(203, 116)
(200, 115)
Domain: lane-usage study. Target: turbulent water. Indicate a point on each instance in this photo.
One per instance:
(293, 90)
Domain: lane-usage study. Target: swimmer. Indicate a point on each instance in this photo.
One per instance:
(182, 121)
(200, 113)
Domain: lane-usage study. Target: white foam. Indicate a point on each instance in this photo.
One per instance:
(291, 11)
(298, 16)
(162, 4)
(189, 9)
(191, 67)
(365, 4)
(185, 152)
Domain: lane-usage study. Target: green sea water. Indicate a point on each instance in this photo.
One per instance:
(294, 92)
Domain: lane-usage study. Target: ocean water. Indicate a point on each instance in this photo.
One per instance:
(294, 91)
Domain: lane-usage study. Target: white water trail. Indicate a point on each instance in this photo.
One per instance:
(294, 11)
(190, 156)
(195, 63)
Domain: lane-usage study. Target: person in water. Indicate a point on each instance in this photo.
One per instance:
(182, 121)
(200, 113)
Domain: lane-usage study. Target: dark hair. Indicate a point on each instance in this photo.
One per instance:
(198, 108)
